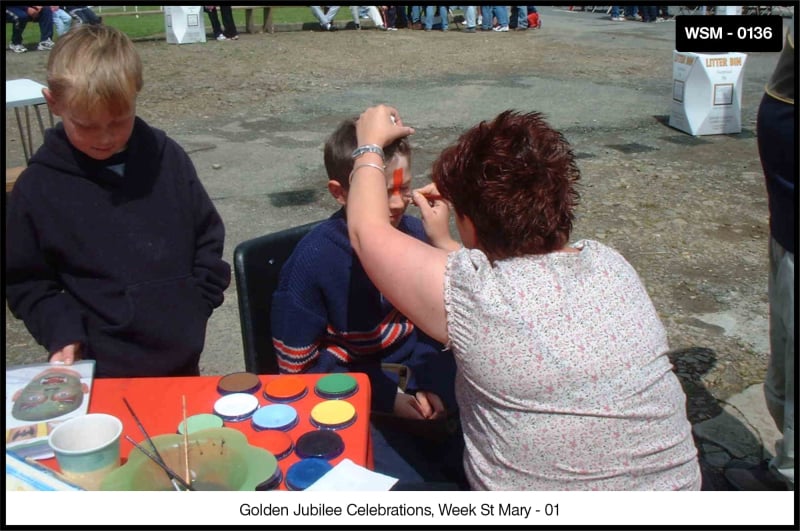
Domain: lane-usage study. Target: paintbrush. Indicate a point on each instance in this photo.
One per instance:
(186, 442)
(160, 462)
(160, 459)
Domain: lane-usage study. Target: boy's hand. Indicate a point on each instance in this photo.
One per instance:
(408, 407)
(67, 355)
(432, 404)
(435, 217)
(380, 125)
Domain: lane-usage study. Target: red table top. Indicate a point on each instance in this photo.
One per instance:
(158, 404)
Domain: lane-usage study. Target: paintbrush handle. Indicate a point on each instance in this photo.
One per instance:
(141, 428)
(160, 462)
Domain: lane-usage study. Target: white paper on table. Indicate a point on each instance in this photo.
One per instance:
(349, 476)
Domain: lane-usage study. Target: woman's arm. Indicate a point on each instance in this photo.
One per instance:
(408, 272)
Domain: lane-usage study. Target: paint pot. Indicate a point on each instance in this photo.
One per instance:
(305, 473)
(275, 417)
(333, 415)
(273, 482)
(239, 382)
(285, 389)
(323, 444)
(334, 386)
(278, 443)
(236, 407)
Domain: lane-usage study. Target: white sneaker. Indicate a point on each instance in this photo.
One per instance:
(501, 28)
(222, 37)
(618, 19)
(46, 45)
(17, 48)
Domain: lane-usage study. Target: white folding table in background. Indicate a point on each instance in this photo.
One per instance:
(26, 94)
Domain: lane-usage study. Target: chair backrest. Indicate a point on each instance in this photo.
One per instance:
(257, 264)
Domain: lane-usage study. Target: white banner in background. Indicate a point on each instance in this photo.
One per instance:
(432, 508)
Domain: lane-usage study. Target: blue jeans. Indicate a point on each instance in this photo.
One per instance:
(19, 18)
(429, 14)
(487, 12)
(614, 11)
(415, 15)
(469, 15)
(323, 18)
(61, 20)
(522, 17)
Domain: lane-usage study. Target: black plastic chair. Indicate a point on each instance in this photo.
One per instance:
(257, 264)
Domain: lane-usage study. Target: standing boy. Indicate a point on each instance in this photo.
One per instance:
(328, 316)
(113, 247)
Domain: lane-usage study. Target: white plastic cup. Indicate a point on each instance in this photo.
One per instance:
(87, 448)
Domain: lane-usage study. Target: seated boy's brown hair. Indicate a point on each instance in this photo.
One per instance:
(339, 151)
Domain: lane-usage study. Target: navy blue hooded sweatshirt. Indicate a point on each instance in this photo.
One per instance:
(128, 265)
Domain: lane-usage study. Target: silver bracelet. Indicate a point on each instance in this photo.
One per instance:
(368, 148)
(365, 165)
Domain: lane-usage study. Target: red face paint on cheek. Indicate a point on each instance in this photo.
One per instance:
(397, 181)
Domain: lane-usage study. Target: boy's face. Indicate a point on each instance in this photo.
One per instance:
(398, 185)
(98, 134)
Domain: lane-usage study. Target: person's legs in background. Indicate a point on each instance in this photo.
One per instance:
(776, 135)
(45, 21)
(469, 18)
(779, 382)
(325, 18)
(61, 21)
(227, 22)
(486, 18)
(416, 17)
(649, 13)
(522, 18)
(19, 19)
(216, 27)
(430, 12)
(501, 12)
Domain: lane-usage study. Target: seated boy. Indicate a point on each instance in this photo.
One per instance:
(113, 247)
(327, 316)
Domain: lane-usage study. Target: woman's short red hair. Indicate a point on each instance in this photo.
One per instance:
(515, 177)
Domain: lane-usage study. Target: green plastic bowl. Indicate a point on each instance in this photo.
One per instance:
(219, 459)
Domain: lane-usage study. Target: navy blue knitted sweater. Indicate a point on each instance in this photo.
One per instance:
(328, 316)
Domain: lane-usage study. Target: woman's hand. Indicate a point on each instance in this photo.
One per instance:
(380, 125)
(67, 355)
(435, 213)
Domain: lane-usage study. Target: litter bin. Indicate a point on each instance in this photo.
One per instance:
(184, 24)
(706, 92)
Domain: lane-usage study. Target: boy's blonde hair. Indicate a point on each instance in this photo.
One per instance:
(95, 67)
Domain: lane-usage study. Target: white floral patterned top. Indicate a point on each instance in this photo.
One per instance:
(563, 379)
